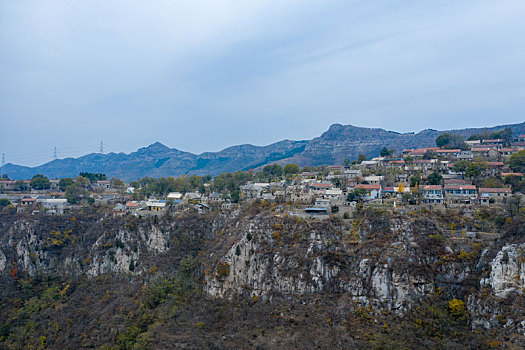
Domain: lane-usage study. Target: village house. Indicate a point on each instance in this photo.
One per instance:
(460, 194)
(53, 206)
(372, 191)
(7, 185)
(253, 190)
(101, 185)
(353, 173)
(175, 196)
(119, 210)
(192, 197)
(299, 195)
(448, 152)
(322, 203)
(507, 152)
(490, 195)
(485, 152)
(374, 180)
(28, 201)
(465, 155)
(432, 194)
(156, 205)
(319, 188)
(215, 197)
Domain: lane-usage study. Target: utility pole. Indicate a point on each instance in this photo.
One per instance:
(55, 153)
(101, 147)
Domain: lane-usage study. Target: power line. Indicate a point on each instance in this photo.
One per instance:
(101, 147)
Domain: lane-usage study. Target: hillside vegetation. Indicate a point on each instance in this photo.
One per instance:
(258, 278)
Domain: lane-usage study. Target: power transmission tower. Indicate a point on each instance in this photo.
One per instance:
(55, 153)
(3, 159)
(101, 147)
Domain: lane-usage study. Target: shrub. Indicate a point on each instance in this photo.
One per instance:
(223, 270)
(457, 308)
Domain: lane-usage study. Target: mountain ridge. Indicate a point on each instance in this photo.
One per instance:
(334, 145)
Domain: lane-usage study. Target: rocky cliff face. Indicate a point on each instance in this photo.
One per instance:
(377, 264)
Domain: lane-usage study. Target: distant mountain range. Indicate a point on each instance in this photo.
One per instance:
(339, 142)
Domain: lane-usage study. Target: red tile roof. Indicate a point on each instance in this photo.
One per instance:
(448, 151)
(496, 163)
(495, 190)
(459, 187)
(432, 187)
(511, 174)
(368, 187)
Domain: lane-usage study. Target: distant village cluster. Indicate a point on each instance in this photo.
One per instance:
(475, 172)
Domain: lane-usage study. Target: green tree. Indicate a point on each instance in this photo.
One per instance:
(443, 139)
(448, 140)
(5, 177)
(492, 182)
(40, 182)
(414, 181)
(116, 183)
(461, 166)
(361, 158)
(291, 169)
(517, 162)
(273, 170)
(20, 185)
(384, 152)
(475, 168)
(83, 182)
(356, 195)
(4, 202)
(506, 134)
(93, 177)
(235, 196)
(64, 182)
(75, 193)
(435, 178)
(515, 182)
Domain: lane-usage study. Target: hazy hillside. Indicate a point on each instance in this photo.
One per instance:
(339, 142)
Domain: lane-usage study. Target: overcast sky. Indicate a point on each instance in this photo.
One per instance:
(203, 75)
